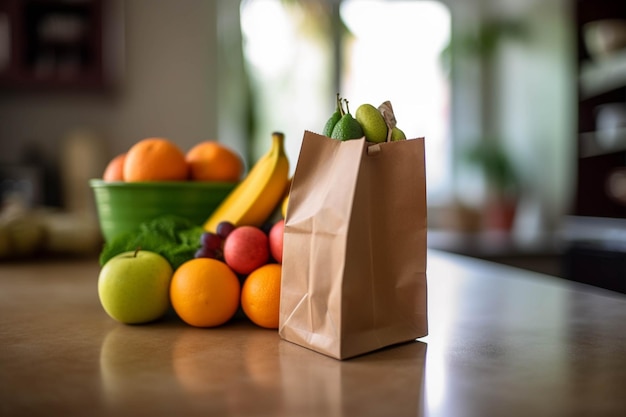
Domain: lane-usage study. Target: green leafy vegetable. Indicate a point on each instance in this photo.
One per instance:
(175, 238)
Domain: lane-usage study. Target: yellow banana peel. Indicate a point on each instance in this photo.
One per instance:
(259, 193)
(283, 207)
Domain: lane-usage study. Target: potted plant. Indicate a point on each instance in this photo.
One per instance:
(501, 180)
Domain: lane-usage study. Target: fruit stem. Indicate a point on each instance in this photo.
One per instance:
(339, 106)
(278, 145)
(347, 107)
(136, 251)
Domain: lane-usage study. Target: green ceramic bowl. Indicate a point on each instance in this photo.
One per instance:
(123, 206)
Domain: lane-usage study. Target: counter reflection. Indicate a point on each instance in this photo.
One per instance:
(257, 372)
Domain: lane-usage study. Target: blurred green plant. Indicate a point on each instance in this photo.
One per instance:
(483, 42)
(495, 164)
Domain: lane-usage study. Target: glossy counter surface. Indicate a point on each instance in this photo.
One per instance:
(502, 342)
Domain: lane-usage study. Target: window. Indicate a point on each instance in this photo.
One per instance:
(390, 51)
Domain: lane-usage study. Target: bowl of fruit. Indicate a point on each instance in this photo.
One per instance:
(155, 178)
(122, 207)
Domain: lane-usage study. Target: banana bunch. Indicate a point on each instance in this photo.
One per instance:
(256, 197)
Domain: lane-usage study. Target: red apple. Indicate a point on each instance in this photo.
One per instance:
(276, 240)
(246, 248)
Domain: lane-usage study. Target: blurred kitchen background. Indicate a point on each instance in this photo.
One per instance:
(522, 103)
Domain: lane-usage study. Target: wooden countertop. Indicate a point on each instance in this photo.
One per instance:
(503, 342)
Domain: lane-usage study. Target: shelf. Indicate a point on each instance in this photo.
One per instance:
(594, 229)
(601, 143)
(61, 45)
(601, 76)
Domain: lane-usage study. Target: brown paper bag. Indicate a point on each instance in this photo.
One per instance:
(354, 256)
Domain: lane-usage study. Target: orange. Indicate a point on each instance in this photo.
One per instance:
(155, 159)
(114, 170)
(213, 161)
(205, 292)
(260, 296)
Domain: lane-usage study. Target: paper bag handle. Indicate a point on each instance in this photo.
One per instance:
(374, 149)
(390, 119)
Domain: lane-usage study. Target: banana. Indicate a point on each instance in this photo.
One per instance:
(259, 193)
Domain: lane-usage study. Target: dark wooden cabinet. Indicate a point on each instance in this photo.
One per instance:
(602, 84)
(595, 250)
(49, 44)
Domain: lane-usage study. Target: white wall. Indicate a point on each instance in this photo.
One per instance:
(169, 87)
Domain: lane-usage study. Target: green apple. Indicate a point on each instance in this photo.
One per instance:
(397, 134)
(134, 286)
